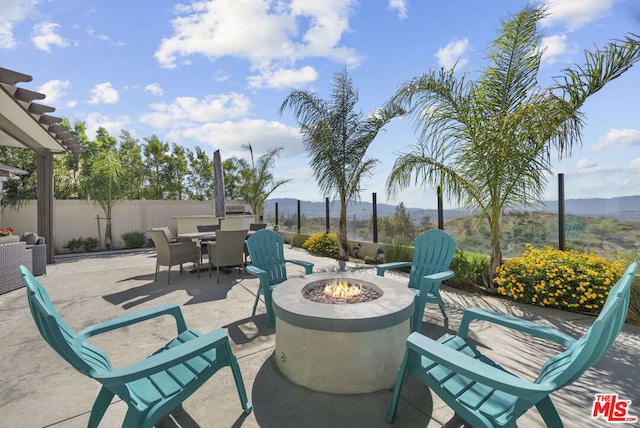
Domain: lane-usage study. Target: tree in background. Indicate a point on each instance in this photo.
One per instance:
(258, 182)
(20, 187)
(148, 171)
(156, 159)
(232, 170)
(425, 223)
(176, 171)
(133, 166)
(399, 228)
(402, 225)
(199, 175)
(67, 167)
(103, 177)
(336, 138)
(489, 141)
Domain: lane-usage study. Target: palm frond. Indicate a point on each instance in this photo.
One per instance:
(514, 62)
(600, 67)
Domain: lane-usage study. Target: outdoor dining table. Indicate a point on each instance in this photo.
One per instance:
(199, 237)
(205, 236)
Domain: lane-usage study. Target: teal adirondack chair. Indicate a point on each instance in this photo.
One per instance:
(152, 387)
(483, 393)
(432, 256)
(266, 249)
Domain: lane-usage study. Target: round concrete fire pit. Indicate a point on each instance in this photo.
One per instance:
(342, 348)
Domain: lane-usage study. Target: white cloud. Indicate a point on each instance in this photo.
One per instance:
(99, 36)
(635, 164)
(270, 35)
(400, 6)
(220, 76)
(576, 13)
(284, 78)
(185, 111)
(13, 12)
(104, 93)
(45, 36)
(6, 35)
(618, 138)
(586, 163)
(229, 136)
(54, 90)
(154, 88)
(588, 167)
(453, 54)
(114, 126)
(553, 46)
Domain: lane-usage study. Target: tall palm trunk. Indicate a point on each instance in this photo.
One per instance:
(496, 252)
(108, 238)
(343, 245)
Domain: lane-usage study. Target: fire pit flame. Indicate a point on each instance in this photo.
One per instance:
(342, 290)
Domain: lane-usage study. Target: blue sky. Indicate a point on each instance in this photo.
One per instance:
(214, 73)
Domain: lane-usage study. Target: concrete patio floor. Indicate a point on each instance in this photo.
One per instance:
(39, 389)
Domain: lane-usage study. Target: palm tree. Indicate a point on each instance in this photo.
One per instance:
(257, 180)
(336, 138)
(489, 141)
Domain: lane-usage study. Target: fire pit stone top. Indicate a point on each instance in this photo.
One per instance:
(392, 307)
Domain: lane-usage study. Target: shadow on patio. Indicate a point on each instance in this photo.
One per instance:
(40, 389)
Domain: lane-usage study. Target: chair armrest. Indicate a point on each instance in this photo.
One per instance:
(256, 271)
(514, 323)
(180, 244)
(440, 276)
(475, 369)
(136, 317)
(163, 360)
(308, 267)
(431, 283)
(380, 269)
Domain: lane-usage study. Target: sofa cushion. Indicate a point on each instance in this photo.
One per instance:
(29, 238)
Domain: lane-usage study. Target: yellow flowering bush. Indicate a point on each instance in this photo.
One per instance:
(323, 244)
(565, 280)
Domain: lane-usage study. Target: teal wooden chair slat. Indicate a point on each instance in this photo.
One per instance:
(486, 395)
(152, 387)
(432, 256)
(266, 249)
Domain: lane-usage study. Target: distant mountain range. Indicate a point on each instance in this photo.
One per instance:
(622, 208)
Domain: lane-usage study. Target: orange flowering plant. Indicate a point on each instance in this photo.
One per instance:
(6, 232)
(565, 280)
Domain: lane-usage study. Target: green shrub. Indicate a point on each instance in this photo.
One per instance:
(133, 239)
(565, 280)
(74, 243)
(298, 240)
(86, 244)
(470, 269)
(323, 244)
(401, 250)
(368, 260)
(90, 244)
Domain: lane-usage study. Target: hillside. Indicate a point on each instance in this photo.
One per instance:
(626, 208)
